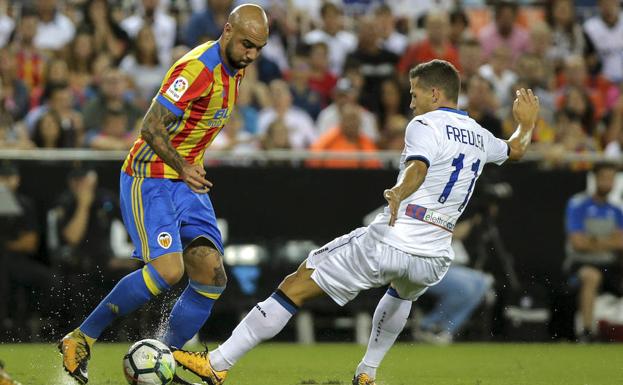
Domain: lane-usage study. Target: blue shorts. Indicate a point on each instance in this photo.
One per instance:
(164, 216)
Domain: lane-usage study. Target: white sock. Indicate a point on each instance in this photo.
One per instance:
(263, 322)
(389, 319)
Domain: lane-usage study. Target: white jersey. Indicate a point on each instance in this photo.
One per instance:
(456, 149)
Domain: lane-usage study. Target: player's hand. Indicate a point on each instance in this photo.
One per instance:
(526, 107)
(194, 176)
(394, 202)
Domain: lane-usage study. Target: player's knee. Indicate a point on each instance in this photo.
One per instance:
(590, 276)
(170, 267)
(205, 264)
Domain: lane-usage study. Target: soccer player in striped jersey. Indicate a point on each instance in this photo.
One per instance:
(164, 200)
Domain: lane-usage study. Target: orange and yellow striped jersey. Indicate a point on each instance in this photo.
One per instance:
(201, 91)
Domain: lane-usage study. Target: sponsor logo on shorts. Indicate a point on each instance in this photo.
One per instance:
(320, 251)
(177, 88)
(165, 240)
(424, 214)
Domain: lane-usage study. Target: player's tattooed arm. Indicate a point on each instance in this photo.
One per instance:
(155, 134)
(154, 131)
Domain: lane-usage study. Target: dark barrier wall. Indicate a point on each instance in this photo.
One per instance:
(296, 203)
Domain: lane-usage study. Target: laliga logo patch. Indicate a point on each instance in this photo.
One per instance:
(165, 240)
(177, 88)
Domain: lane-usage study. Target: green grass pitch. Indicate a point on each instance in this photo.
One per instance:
(406, 364)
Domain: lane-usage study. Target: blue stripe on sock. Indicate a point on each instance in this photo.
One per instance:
(162, 284)
(206, 288)
(391, 291)
(285, 302)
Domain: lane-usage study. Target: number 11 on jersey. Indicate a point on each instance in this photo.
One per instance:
(457, 163)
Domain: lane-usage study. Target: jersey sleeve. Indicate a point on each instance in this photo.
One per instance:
(185, 82)
(421, 143)
(498, 150)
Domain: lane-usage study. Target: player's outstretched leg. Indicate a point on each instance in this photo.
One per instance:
(263, 322)
(134, 290)
(389, 319)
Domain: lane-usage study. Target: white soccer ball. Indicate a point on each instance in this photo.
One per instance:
(149, 362)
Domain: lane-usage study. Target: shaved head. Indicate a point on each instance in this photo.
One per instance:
(244, 35)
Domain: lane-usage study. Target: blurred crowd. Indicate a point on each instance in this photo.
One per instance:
(334, 75)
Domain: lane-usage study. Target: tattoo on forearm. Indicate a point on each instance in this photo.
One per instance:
(154, 131)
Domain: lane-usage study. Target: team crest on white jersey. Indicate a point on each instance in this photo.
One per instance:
(165, 240)
(177, 88)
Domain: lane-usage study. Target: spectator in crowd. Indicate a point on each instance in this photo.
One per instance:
(80, 60)
(48, 132)
(59, 102)
(30, 61)
(54, 30)
(537, 74)
(56, 74)
(457, 295)
(302, 95)
(346, 137)
(602, 93)
(344, 93)
(321, 79)
(276, 136)
(541, 42)
(14, 98)
(376, 63)
(108, 36)
(393, 137)
(112, 97)
(301, 129)
(567, 35)
(208, 23)
(482, 104)
(151, 14)
(571, 139)
(499, 73)
(594, 230)
(116, 133)
(504, 31)
(577, 104)
(391, 39)
(470, 57)
(339, 41)
(604, 48)
(459, 28)
(392, 103)
(436, 44)
(7, 25)
(143, 66)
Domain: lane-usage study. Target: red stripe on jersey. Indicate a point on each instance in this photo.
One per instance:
(225, 80)
(201, 145)
(173, 77)
(156, 169)
(196, 114)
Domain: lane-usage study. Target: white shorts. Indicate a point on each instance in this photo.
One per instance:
(356, 262)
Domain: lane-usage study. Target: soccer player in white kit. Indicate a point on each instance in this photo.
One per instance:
(408, 245)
